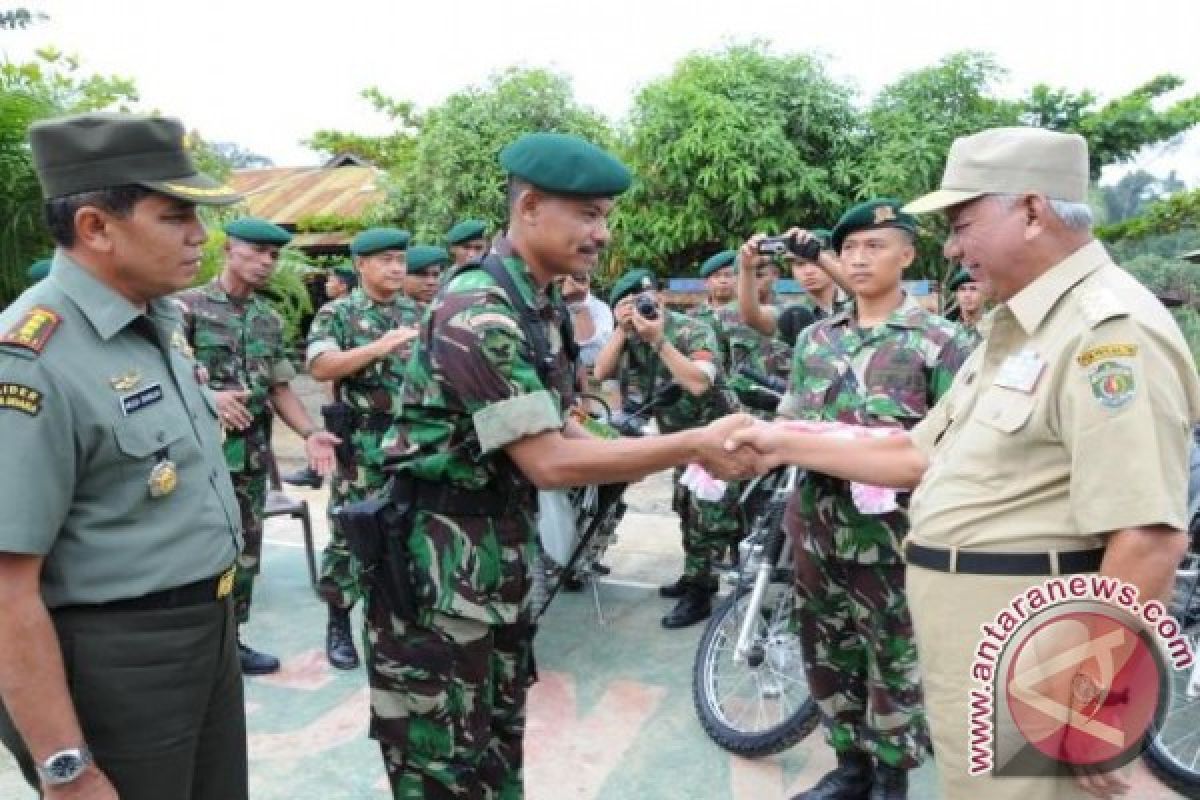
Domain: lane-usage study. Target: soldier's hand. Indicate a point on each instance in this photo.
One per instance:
(623, 313)
(91, 785)
(762, 442)
(717, 458)
(748, 255)
(650, 330)
(231, 405)
(320, 449)
(393, 340)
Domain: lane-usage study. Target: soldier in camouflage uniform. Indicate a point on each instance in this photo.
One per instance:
(238, 339)
(360, 342)
(883, 363)
(425, 265)
(644, 356)
(482, 424)
(969, 303)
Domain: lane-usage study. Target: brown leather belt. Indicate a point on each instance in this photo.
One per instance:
(987, 563)
(207, 590)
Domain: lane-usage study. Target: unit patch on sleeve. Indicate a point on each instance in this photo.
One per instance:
(21, 398)
(33, 330)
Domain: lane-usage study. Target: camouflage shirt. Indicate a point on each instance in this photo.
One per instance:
(470, 390)
(642, 373)
(239, 342)
(356, 320)
(887, 376)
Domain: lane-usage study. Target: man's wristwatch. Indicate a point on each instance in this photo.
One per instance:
(64, 766)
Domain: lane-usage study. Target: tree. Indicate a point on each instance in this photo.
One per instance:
(731, 143)
(393, 151)
(238, 157)
(19, 18)
(1119, 129)
(47, 86)
(455, 171)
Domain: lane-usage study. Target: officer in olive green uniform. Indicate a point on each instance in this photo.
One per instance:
(118, 658)
(467, 241)
(238, 338)
(645, 357)
(361, 343)
(483, 423)
(425, 265)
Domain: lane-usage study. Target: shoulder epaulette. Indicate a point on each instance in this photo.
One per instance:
(1100, 304)
(33, 330)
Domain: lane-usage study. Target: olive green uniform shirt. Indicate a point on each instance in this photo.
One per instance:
(85, 417)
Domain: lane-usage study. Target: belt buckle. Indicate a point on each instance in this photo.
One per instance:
(225, 583)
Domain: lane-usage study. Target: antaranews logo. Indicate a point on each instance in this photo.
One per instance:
(1072, 673)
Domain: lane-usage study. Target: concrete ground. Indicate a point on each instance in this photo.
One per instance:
(610, 719)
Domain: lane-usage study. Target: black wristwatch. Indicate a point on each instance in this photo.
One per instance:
(64, 766)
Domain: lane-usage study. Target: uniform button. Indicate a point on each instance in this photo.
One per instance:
(161, 437)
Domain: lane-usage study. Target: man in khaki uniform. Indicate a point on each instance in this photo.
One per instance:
(118, 659)
(1062, 446)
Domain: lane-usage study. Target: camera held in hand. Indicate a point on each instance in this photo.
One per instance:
(645, 306)
(806, 250)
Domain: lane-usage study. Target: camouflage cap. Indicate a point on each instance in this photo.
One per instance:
(94, 151)
(958, 279)
(376, 240)
(466, 230)
(565, 164)
(883, 212)
(424, 256)
(725, 258)
(1015, 160)
(257, 231)
(39, 269)
(638, 279)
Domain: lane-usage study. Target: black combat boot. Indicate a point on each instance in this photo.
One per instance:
(339, 642)
(850, 780)
(303, 477)
(254, 662)
(694, 606)
(890, 784)
(675, 590)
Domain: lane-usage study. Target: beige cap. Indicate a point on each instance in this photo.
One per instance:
(1011, 161)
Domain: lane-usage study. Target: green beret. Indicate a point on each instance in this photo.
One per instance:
(39, 269)
(375, 240)
(466, 230)
(94, 151)
(958, 279)
(345, 270)
(881, 213)
(257, 231)
(424, 256)
(635, 280)
(565, 164)
(723, 259)
(823, 236)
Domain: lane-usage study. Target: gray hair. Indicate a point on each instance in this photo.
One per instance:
(1076, 216)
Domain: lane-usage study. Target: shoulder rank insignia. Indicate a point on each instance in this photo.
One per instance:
(1099, 305)
(33, 330)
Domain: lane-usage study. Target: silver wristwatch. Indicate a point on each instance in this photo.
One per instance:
(64, 766)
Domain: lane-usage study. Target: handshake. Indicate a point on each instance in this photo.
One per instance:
(735, 447)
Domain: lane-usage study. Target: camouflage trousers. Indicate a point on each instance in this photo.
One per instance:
(860, 654)
(448, 703)
(339, 582)
(709, 529)
(251, 490)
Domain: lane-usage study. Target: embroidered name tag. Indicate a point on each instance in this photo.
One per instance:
(138, 400)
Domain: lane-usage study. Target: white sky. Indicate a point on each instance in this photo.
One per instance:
(268, 73)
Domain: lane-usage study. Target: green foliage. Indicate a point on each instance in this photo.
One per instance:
(48, 86)
(393, 151)
(331, 223)
(19, 18)
(729, 143)
(1116, 131)
(455, 173)
(1175, 213)
(1174, 278)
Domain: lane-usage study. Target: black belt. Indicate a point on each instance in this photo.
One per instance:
(208, 590)
(984, 563)
(444, 498)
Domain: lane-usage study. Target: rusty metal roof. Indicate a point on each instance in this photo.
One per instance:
(286, 195)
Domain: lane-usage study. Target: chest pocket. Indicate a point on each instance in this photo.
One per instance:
(143, 435)
(1004, 410)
